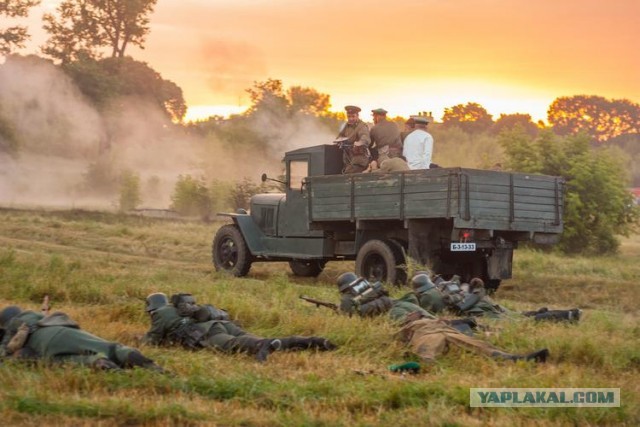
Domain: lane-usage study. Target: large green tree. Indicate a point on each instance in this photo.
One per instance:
(598, 117)
(509, 121)
(471, 117)
(15, 36)
(271, 96)
(85, 28)
(598, 206)
(107, 80)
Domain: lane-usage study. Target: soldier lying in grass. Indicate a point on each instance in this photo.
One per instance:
(29, 335)
(427, 336)
(183, 322)
(471, 299)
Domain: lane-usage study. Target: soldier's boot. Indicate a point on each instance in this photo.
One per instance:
(135, 358)
(304, 343)
(266, 347)
(323, 344)
(533, 313)
(572, 315)
(539, 356)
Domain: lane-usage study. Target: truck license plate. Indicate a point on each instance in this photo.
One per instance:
(463, 247)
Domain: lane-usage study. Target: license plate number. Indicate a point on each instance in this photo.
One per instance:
(463, 247)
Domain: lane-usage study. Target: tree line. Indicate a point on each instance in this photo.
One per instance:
(592, 141)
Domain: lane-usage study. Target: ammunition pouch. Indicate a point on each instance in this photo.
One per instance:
(188, 334)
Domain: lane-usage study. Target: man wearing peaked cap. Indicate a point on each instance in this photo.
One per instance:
(385, 137)
(418, 145)
(355, 158)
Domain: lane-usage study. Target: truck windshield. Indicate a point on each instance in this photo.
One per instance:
(298, 170)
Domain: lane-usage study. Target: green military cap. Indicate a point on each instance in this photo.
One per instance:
(352, 109)
(380, 111)
(420, 120)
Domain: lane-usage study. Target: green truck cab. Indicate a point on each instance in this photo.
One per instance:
(453, 220)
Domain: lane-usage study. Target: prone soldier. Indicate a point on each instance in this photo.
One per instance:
(425, 334)
(58, 338)
(183, 322)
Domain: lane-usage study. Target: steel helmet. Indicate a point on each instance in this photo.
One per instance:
(7, 314)
(422, 283)
(345, 279)
(156, 300)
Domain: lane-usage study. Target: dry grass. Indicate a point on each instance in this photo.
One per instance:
(99, 268)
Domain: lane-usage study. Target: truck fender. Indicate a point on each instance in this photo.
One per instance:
(253, 236)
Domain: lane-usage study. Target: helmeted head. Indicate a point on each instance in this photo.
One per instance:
(422, 283)
(7, 314)
(156, 301)
(345, 279)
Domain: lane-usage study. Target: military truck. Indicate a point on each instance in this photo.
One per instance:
(453, 220)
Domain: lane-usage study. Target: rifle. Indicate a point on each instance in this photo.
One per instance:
(319, 303)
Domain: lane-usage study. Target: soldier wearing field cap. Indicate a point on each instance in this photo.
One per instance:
(409, 126)
(385, 137)
(355, 158)
(418, 145)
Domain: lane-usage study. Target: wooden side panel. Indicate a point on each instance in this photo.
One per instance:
(506, 201)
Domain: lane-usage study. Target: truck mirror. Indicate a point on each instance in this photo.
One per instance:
(264, 177)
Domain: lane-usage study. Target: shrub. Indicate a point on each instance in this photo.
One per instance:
(598, 205)
(191, 197)
(129, 191)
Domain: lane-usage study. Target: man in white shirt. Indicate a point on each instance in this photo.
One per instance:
(418, 145)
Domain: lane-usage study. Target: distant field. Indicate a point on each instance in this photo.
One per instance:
(99, 267)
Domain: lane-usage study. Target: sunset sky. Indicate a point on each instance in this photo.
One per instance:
(405, 55)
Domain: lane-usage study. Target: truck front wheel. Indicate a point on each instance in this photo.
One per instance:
(376, 261)
(230, 252)
(307, 268)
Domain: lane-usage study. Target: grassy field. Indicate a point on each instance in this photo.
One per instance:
(99, 267)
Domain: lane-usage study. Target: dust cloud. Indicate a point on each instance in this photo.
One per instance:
(65, 147)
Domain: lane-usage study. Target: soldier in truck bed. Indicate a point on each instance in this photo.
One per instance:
(355, 158)
(385, 137)
(193, 326)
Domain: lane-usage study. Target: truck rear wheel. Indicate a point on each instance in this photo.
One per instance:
(230, 252)
(376, 261)
(307, 268)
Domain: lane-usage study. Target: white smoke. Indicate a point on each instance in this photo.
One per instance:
(62, 140)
